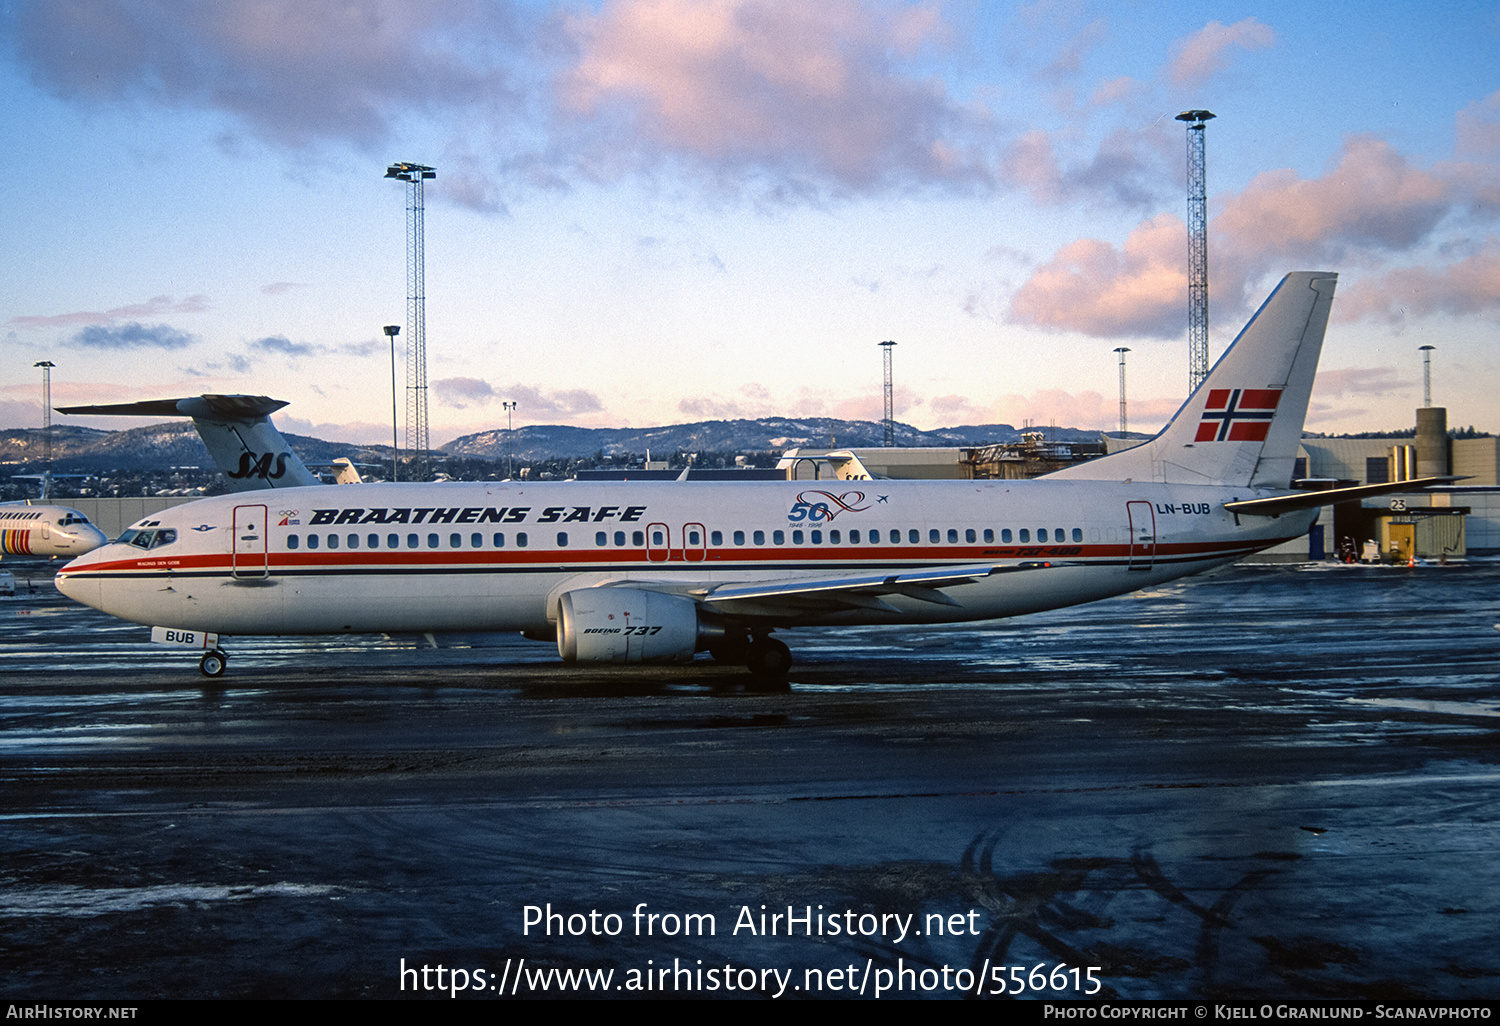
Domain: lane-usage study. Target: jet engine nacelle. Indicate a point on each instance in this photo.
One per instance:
(630, 625)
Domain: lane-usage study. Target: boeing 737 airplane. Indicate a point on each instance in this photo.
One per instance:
(657, 571)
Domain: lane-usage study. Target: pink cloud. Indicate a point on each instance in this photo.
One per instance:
(295, 70)
(1093, 288)
(531, 403)
(809, 88)
(1370, 204)
(1360, 381)
(154, 307)
(1477, 127)
(1087, 409)
(1372, 198)
(1129, 167)
(1471, 286)
(1205, 53)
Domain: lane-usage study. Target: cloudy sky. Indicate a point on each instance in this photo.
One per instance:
(657, 211)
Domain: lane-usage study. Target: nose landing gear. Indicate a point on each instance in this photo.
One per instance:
(213, 663)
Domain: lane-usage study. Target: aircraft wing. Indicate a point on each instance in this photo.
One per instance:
(840, 591)
(1276, 505)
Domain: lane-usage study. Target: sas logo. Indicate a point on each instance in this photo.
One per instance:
(814, 507)
(289, 518)
(252, 465)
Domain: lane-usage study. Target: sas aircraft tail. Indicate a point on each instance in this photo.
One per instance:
(237, 429)
(1243, 424)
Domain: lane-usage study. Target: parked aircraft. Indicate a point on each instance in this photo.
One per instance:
(42, 529)
(633, 571)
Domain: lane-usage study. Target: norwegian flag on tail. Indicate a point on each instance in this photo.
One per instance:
(1238, 414)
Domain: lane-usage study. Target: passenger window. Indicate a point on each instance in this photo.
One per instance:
(312, 541)
(817, 537)
(476, 541)
(694, 538)
(499, 540)
(913, 536)
(989, 535)
(1041, 534)
(1005, 535)
(432, 541)
(1058, 534)
(759, 537)
(333, 541)
(562, 539)
(778, 537)
(1024, 536)
(952, 536)
(833, 537)
(393, 541)
(601, 538)
(796, 537)
(933, 535)
(895, 537)
(620, 538)
(521, 540)
(853, 537)
(637, 538)
(657, 538)
(373, 541)
(411, 541)
(716, 537)
(1078, 534)
(739, 537)
(353, 541)
(291, 541)
(969, 535)
(455, 541)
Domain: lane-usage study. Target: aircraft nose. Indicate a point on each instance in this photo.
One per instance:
(78, 587)
(89, 538)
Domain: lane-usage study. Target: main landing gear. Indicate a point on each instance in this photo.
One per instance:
(762, 655)
(213, 663)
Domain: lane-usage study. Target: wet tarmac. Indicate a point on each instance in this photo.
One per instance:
(1270, 783)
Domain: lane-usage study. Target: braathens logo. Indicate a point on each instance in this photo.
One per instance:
(818, 506)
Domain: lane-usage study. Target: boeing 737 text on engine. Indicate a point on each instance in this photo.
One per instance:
(658, 571)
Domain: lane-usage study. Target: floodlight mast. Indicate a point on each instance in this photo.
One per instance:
(890, 404)
(416, 313)
(1122, 350)
(391, 331)
(1197, 248)
(46, 366)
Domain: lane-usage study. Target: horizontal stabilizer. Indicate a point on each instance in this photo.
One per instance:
(1276, 505)
(237, 429)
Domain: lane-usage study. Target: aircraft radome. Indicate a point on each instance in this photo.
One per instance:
(657, 571)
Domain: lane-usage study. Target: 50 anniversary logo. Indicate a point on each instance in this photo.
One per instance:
(814, 507)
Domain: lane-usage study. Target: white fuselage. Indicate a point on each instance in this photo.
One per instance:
(496, 556)
(37, 529)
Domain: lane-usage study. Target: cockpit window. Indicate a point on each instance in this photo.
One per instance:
(147, 539)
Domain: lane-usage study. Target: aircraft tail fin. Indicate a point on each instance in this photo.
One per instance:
(1243, 424)
(237, 429)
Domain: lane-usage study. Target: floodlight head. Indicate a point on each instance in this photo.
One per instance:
(392, 330)
(1197, 117)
